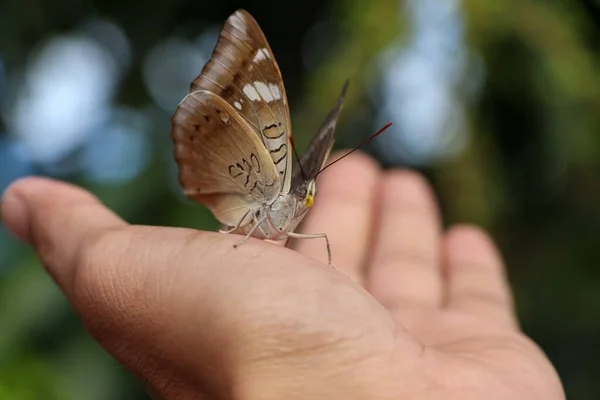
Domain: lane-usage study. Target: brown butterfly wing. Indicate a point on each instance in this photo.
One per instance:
(315, 157)
(222, 163)
(243, 71)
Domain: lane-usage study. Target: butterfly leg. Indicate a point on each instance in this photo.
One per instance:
(255, 227)
(315, 236)
(238, 224)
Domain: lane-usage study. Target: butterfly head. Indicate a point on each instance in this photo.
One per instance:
(305, 193)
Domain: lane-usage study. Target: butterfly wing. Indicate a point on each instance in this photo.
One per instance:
(222, 162)
(313, 160)
(243, 71)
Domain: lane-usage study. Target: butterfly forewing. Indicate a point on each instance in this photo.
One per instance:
(315, 157)
(232, 137)
(222, 163)
(243, 71)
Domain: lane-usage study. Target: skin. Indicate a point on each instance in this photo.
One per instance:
(414, 313)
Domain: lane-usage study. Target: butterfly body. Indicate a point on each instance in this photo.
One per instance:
(275, 220)
(232, 136)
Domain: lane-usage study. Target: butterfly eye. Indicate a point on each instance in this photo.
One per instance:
(310, 200)
(311, 191)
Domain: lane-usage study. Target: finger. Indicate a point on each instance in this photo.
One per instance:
(475, 276)
(404, 270)
(58, 219)
(344, 211)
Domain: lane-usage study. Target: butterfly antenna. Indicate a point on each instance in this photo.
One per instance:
(298, 159)
(379, 132)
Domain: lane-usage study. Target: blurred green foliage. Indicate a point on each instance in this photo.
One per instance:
(530, 173)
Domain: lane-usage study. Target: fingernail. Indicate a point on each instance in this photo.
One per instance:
(14, 214)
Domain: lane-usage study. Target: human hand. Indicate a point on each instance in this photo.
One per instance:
(421, 314)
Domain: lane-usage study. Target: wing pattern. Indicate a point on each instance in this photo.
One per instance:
(217, 152)
(243, 71)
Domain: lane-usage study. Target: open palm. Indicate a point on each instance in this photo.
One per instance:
(416, 314)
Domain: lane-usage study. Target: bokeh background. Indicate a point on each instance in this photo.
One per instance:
(498, 102)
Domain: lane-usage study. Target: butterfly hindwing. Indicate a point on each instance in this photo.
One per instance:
(220, 158)
(243, 71)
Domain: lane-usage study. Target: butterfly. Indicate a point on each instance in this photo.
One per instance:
(233, 140)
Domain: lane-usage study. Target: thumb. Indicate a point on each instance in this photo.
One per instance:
(58, 220)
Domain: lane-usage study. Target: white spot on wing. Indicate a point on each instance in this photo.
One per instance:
(266, 52)
(251, 92)
(224, 117)
(259, 56)
(237, 105)
(275, 90)
(264, 91)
